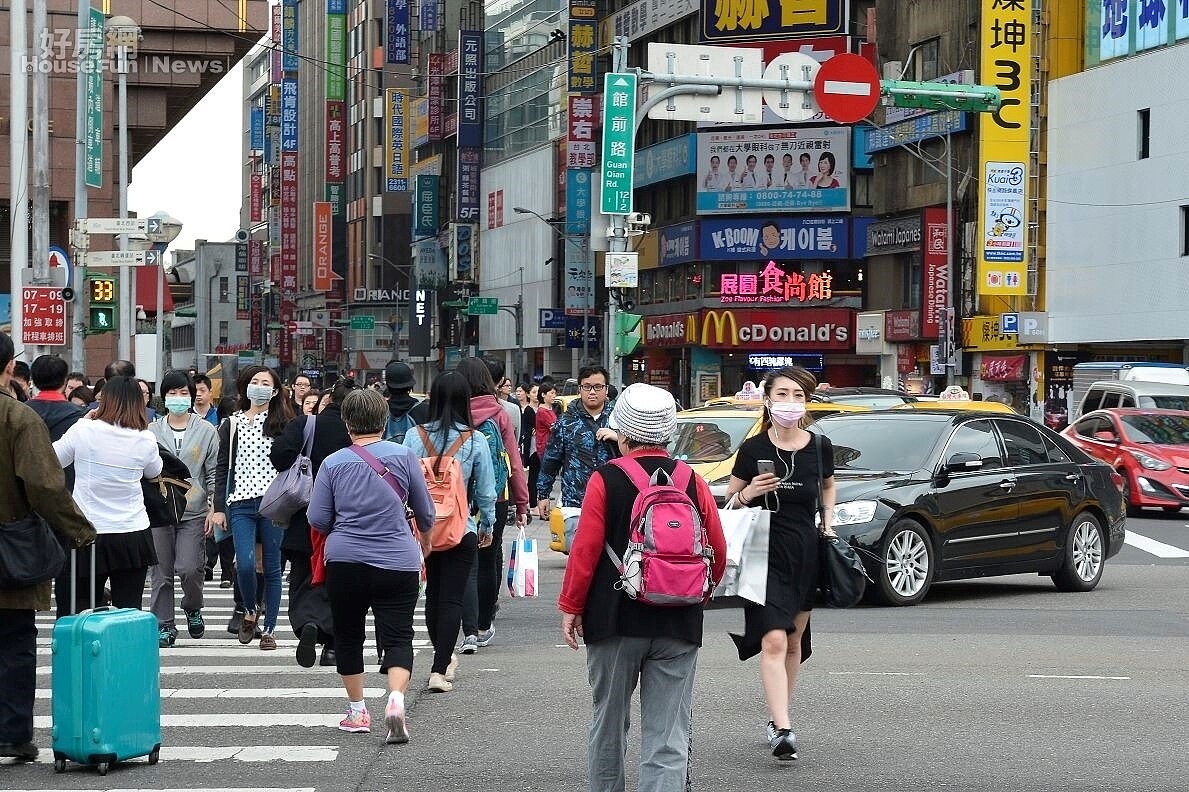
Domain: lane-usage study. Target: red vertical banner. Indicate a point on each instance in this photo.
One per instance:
(257, 198)
(256, 259)
(285, 343)
(322, 246)
(935, 274)
(336, 137)
(333, 348)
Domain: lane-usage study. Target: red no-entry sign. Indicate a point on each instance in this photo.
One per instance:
(847, 88)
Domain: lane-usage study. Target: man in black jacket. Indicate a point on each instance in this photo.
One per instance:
(49, 377)
(309, 609)
(404, 410)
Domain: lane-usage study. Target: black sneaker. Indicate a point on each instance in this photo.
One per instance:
(166, 636)
(195, 624)
(237, 618)
(22, 752)
(784, 746)
(307, 646)
(208, 574)
(328, 658)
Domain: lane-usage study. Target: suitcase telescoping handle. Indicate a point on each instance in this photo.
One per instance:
(74, 577)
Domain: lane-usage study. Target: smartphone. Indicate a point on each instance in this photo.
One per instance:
(765, 466)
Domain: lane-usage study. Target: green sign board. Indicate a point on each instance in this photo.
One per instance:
(363, 323)
(93, 66)
(336, 57)
(619, 142)
(483, 305)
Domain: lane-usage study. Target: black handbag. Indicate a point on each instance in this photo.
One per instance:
(842, 577)
(165, 495)
(30, 552)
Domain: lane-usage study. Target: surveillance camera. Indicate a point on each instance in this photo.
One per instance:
(241, 235)
(639, 218)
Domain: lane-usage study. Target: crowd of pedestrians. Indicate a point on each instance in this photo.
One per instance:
(410, 494)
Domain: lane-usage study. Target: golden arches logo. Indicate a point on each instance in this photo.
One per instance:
(719, 320)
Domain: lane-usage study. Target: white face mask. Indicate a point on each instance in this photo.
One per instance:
(786, 414)
(260, 394)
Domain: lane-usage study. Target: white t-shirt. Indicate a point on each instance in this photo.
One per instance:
(109, 462)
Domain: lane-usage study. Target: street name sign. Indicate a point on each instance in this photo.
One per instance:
(363, 322)
(121, 225)
(483, 305)
(619, 142)
(122, 258)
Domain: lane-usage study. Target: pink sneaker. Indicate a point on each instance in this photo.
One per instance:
(356, 722)
(394, 718)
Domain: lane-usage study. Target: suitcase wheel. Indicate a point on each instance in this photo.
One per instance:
(103, 767)
(59, 765)
(155, 755)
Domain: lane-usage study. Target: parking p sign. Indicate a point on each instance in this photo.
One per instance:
(551, 320)
(1009, 324)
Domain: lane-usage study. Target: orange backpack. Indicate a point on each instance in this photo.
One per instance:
(447, 489)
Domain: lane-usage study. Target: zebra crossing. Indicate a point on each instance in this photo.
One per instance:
(224, 702)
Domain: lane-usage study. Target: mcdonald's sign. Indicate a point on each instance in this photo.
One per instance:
(718, 321)
(810, 329)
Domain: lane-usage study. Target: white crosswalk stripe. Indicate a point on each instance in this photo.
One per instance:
(208, 717)
(1156, 548)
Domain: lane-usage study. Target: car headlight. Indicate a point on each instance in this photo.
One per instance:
(854, 512)
(1148, 461)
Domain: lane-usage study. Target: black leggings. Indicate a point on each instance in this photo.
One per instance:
(446, 573)
(491, 568)
(127, 586)
(392, 596)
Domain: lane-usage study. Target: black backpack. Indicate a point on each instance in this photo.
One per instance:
(165, 495)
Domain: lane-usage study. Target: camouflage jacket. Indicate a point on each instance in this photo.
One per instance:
(573, 450)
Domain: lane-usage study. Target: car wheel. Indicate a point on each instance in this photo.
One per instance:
(1132, 510)
(1085, 554)
(906, 570)
(1172, 509)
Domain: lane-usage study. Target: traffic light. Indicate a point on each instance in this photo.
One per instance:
(627, 333)
(103, 293)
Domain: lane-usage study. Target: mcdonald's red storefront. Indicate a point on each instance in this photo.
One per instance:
(687, 352)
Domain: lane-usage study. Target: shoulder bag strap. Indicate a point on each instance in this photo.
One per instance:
(307, 444)
(821, 482)
(430, 449)
(381, 470)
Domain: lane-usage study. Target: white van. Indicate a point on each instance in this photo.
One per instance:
(1086, 375)
(1133, 393)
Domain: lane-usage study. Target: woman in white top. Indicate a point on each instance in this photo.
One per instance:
(242, 474)
(111, 454)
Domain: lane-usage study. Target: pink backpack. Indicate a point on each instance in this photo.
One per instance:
(667, 561)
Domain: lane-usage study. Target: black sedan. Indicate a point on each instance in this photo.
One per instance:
(939, 494)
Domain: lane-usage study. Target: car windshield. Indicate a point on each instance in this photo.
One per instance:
(873, 400)
(1160, 429)
(710, 439)
(881, 445)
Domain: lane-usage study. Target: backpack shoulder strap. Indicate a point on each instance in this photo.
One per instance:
(682, 475)
(430, 448)
(463, 436)
(634, 471)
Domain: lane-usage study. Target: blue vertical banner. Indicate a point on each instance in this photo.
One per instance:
(396, 160)
(470, 164)
(257, 137)
(426, 202)
(289, 114)
(398, 31)
(578, 201)
(289, 37)
(431, 16)
(470, 88)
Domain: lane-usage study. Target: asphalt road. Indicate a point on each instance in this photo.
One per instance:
(998, 684)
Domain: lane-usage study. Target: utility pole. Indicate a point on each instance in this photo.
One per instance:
(78, 348)
(618, 239)
(125, 35)
(18, 158)
(41, 157)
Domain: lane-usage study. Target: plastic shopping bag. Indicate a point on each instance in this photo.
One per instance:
(746, 532)
(522, 566)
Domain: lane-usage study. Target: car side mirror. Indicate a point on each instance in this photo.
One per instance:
(963, 462)
(1106, 437)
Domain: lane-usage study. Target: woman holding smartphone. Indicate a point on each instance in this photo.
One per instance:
(778, 470)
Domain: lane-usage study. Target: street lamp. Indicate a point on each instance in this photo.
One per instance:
(589, 277)
(123, 35)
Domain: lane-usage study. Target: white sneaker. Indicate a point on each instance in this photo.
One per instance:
(438, 684)
(470, 645)
(394, 719)
(450, 669)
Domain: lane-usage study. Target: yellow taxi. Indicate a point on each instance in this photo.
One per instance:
(955, 398)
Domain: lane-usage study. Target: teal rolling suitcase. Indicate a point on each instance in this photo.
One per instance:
(106, 702)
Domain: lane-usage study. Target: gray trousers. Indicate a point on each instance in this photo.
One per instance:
(181, 551)
(664, 669)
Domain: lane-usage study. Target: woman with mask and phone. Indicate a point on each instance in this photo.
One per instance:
(777, 469)
(243, 473)
(181, 548)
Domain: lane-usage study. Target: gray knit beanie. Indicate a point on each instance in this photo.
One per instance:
(645, 414)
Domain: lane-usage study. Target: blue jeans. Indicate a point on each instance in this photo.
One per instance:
(248, 526)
